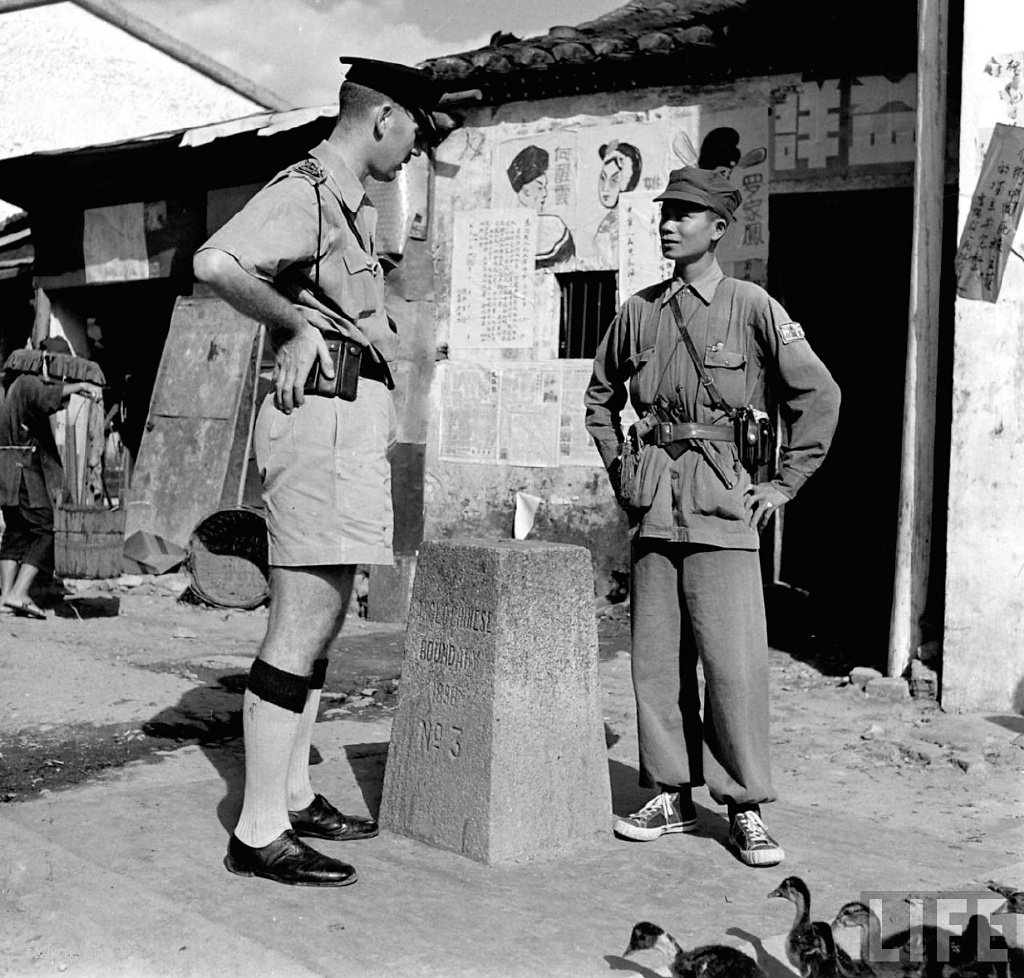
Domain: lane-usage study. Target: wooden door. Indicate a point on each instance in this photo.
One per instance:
(194, 452)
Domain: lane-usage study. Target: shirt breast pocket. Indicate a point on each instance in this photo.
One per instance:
(362, 281)
(727, 368)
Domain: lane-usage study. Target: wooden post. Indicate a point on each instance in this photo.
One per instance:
(914, 527)
(41, 321)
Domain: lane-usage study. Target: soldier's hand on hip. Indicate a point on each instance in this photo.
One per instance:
(294, 359)
(760, 502)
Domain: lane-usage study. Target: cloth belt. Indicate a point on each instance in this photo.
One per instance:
(667, 433)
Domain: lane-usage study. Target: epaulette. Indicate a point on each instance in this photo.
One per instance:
(311, 170)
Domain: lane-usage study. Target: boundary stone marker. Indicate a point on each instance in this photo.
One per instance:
(497, 748)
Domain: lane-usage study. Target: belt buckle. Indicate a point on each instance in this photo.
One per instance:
(663, 434)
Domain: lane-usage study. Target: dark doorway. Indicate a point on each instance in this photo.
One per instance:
(840, 264)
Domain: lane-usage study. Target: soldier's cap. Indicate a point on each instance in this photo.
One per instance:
(705, 187)
(413, 88)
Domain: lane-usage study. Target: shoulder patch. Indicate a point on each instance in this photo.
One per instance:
(788, 332)
(311, 170)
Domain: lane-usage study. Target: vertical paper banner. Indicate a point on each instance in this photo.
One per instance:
(1006, 79)
(735, 143)
(991, 226)
(492, 280)
(640, 260)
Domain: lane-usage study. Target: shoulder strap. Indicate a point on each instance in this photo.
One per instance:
(311, 170)
(717, 401)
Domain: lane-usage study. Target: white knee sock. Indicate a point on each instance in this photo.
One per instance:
(300, 789)
(269, 738)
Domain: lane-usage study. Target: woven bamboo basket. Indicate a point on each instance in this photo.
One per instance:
(226, 563)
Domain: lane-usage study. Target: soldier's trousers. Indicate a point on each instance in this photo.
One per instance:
(689, 602)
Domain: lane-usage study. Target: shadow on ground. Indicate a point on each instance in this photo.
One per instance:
(766, 961)
(618, 963)
(210, 716)
(108, 606)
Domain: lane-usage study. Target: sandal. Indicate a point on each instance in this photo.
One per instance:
(25, 609)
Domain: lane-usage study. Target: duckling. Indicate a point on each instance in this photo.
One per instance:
(856, 914)
(804, 940)
(978, 934)
(801, 935)
(819, 954)
(1014, 898)
(707, 961)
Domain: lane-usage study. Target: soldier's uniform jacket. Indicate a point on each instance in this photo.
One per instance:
(755, 354)
(275, 238)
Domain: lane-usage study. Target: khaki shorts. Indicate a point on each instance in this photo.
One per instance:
(327, 478)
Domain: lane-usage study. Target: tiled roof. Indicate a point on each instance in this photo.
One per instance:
(650, 42)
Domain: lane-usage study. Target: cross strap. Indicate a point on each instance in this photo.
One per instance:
(717, 401)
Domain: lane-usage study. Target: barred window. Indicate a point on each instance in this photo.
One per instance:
(588, 307)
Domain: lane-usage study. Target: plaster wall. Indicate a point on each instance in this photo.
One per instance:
(69, 79)
(477, 499)
(983, 653)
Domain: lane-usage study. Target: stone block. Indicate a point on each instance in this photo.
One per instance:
(862, 675)
(497, 748)
(888, 688)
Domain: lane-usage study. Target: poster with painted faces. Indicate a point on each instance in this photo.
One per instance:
(539, 173)
(574, 178)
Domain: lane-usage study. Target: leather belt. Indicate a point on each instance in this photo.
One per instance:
(378, 370)
(667, 433)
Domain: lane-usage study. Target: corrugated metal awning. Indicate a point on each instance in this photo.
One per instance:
(262, 123)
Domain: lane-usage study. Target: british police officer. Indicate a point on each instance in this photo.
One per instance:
(300, 258)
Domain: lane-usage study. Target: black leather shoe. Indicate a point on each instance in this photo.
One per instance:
(322, 820)
(287, 860)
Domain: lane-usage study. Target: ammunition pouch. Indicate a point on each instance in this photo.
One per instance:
(755, 438)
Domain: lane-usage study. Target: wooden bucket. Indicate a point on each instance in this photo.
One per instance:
(88, 541)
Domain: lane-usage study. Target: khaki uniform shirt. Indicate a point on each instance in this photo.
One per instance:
(279, 234)
(756, 356)
(325, 469)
